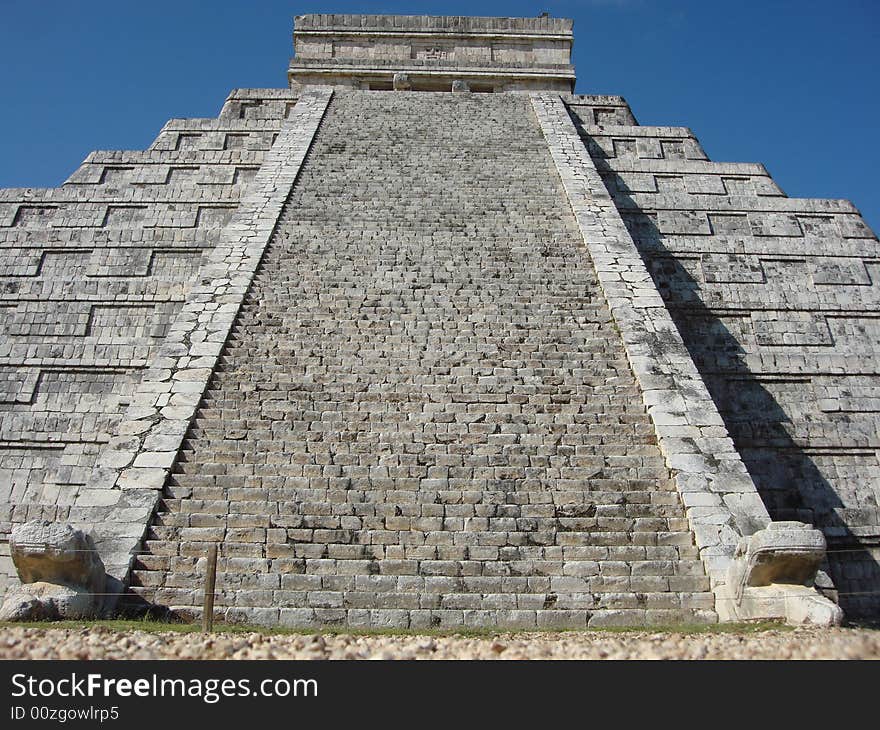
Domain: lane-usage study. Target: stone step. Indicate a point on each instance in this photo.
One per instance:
(420, 526)
(612, 531)
(187, 513)
(194, 551)
(435, 597)
(188, 604)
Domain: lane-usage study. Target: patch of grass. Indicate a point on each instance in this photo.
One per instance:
(154, 626)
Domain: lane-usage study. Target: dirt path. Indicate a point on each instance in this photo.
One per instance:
(105, 643)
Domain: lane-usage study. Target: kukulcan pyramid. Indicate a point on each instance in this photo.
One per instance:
(425, 339)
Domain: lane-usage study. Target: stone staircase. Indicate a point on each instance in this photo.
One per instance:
(424, 415)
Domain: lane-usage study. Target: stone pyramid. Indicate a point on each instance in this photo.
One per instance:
(426, 339)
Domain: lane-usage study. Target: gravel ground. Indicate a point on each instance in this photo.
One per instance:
(104, 643)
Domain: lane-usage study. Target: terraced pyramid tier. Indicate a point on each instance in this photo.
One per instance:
(424, 416)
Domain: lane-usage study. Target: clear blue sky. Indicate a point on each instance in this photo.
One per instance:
(791, 84)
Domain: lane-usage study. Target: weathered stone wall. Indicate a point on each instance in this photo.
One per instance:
(429, 24)
(776, 299)
(92, 274)
(500, 54)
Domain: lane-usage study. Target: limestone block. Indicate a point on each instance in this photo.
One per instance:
(784, 552)
(773, 576)
(47, 602)
(55, 553)
(61, 573)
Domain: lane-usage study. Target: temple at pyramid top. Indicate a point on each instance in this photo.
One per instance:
(433, 53)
